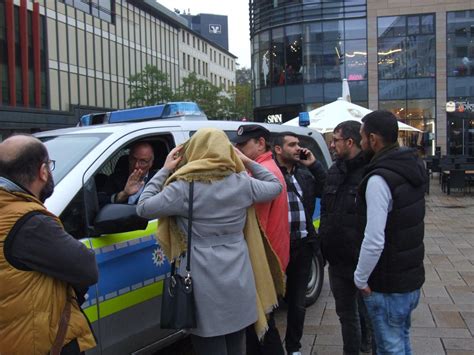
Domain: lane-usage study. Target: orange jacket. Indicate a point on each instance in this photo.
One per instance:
(273, 215)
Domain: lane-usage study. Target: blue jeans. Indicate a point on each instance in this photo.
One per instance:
(390, 314)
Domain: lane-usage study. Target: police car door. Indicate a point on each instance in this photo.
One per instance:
(131, 267)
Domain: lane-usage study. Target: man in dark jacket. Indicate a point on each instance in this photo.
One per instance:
(390, 270)
(340, 233)
(305, 180)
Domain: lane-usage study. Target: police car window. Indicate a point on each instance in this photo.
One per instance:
(68, 150)
(161, 147)
(73, 217)
(81, 211)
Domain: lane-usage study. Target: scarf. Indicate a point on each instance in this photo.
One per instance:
(208, 157)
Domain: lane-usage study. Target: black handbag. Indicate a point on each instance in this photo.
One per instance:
(178, 310)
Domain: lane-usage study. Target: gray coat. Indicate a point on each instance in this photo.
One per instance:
(224, 286)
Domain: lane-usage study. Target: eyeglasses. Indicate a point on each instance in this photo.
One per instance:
(141, 162)
(335, 140)
(51, 164)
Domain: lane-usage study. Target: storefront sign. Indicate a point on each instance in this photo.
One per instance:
(278, 118)
(459, 106)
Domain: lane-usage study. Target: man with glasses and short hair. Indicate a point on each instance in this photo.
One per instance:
(341, 235)
(44, 271)
(127, 186)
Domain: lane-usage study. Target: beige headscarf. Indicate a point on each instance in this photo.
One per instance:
(209, 156)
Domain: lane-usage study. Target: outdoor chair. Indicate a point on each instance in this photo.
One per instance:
(456, 180)
(432, 166)
(444, 169)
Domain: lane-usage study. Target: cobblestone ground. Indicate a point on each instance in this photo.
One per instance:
(443, 322)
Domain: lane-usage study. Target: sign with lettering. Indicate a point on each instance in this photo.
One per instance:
(277, 118)
(459, 106)
(215, 29)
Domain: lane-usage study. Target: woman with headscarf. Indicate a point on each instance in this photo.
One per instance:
(236, 275)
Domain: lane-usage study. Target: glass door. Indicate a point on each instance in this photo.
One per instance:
(461, 134)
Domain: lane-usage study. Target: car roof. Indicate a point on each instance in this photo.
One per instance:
(122, 128)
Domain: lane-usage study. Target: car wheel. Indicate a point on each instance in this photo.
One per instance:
(316, 278)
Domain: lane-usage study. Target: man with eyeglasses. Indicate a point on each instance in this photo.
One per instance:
(341, 235)
(44, 271)
(126, 186)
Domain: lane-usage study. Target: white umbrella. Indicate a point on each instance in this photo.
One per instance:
(325, 118)
(346, 94)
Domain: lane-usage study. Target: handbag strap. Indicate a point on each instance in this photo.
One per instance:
(190, 232)
(62, 329)
(190, 225)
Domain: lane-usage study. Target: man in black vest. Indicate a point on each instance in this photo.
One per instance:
(341, 235)
(390, 270)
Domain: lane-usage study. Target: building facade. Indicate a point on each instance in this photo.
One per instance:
(409, 57)
(208, 60)
(62, 59)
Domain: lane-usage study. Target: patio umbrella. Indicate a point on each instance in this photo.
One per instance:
(346, 94)
(325, 118)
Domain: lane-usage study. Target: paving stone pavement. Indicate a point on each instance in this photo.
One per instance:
(443, 322)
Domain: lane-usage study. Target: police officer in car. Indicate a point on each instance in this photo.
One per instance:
(126, 185)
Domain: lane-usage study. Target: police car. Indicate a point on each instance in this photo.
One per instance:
(124, 306)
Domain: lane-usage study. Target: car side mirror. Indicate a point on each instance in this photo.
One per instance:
(118, 218)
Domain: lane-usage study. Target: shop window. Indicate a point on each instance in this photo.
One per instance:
(103, 9)
(460, 44)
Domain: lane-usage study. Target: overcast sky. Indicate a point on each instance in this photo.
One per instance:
(237, 12)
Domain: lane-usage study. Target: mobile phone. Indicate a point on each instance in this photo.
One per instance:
(303, 155)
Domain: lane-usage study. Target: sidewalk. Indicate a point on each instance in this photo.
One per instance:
(443, 322)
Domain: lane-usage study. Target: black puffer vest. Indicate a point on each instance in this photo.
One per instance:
(400, 268)
(341, 228)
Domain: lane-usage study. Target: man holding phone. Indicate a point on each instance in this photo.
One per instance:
(305, 178)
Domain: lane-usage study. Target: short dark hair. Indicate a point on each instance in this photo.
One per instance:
(383, 123)
(350, 129)
(280, 138)
(23, 167)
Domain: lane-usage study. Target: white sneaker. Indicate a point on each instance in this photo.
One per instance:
(296, 353)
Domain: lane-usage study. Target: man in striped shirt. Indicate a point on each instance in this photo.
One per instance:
(305, 178)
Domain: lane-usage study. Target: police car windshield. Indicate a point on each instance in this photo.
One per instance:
(68, 150)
